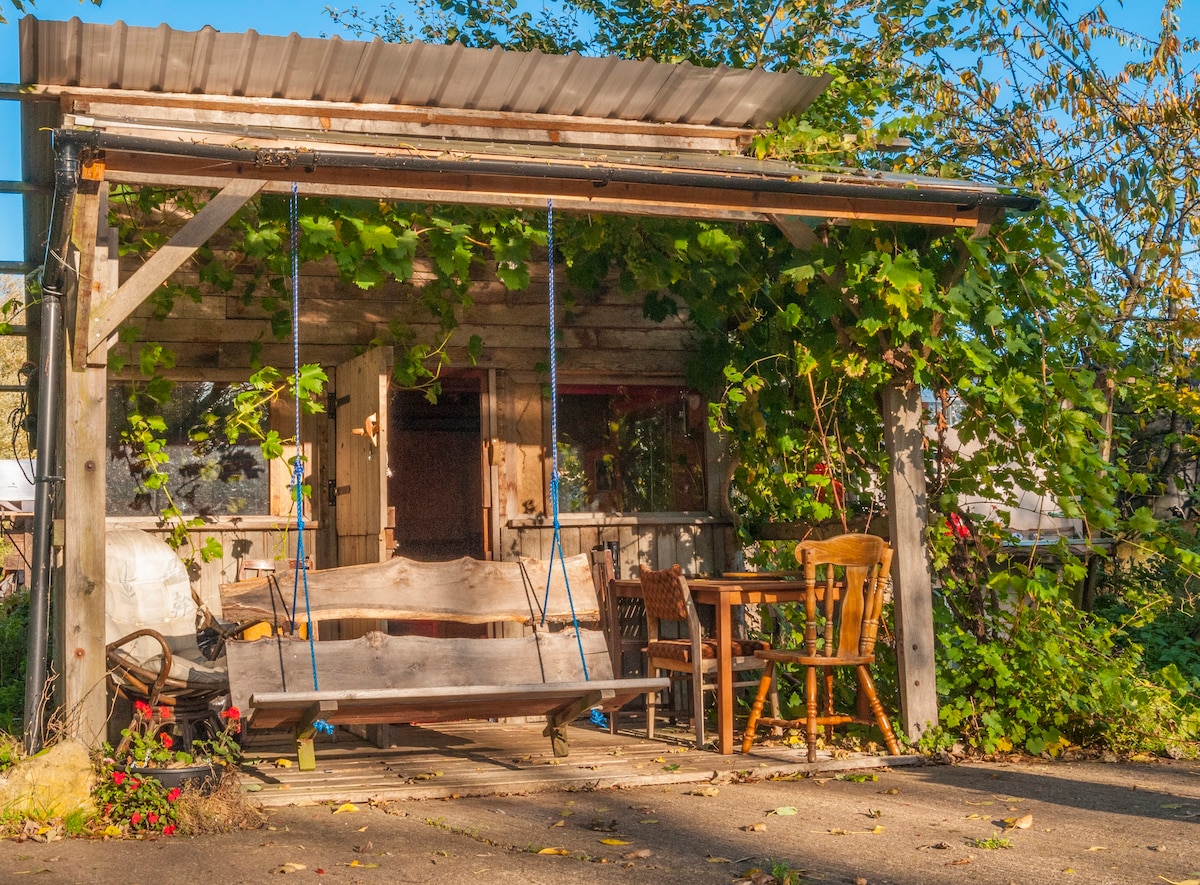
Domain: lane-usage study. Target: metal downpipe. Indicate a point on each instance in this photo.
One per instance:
(46, 470)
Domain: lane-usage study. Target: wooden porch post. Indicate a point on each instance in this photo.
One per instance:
(81, 610)
(904, 437)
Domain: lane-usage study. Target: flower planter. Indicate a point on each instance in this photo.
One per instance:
(204, 775)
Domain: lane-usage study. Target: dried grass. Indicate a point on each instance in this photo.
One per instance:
(221, 810)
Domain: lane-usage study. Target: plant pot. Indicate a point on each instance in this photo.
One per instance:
(205, 775)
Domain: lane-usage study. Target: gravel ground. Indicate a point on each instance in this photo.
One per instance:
(1085, 822)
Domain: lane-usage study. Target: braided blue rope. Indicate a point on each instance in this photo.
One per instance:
(298, 462)
(556, 544)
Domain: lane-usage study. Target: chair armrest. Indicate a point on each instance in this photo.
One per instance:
(164, 671)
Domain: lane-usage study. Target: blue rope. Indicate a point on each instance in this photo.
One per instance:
(556, 544)
(298, 463)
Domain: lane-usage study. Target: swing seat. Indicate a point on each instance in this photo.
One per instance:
(379, 679)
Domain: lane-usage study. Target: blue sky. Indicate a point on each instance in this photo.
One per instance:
(305, 17)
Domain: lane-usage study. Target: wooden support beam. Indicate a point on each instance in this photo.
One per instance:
(306, 754)
(903, 422)
(81, 617)
(532, 190)
(983, 227)
(98, 268)
(797, 232)
(106, 316)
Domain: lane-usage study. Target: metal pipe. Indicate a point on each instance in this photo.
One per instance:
(598, 172)
(54, 281)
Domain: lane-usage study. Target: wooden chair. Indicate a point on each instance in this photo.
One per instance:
(666, 597)
(854, 578)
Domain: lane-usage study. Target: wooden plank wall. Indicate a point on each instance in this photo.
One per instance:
(699, 547)
(600, 332)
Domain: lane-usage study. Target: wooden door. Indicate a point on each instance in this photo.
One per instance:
(362, 454)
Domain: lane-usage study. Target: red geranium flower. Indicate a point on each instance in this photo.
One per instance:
(166, 739)
(142, 708)
(118, 777)
(173, 795)
(152, 818)
(957, 526)
(232, 713)
(169, 829)
(164, 712)
(135, 818)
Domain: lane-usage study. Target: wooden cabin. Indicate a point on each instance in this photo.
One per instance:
(467, 475)
(244, 114)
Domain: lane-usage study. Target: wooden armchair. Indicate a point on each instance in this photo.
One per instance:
(666, 597)
(851, 590)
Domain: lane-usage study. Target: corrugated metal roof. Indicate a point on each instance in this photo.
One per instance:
(210, 62)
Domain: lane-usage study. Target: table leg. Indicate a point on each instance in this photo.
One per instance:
(724, 632)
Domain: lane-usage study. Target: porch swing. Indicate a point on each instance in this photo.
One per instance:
(382, 679)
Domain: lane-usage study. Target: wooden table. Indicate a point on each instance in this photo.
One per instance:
(723, 594)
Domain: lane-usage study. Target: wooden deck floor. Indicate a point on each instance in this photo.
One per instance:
(494, 758)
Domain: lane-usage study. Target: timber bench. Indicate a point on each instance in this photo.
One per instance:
(382, 679)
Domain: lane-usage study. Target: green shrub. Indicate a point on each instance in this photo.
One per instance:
(14, 639)
(1021, 668)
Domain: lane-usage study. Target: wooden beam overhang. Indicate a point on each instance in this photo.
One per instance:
(729, 190)
(200, 111)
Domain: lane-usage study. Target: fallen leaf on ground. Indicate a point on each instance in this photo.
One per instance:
(1181, 881)
(1098, 848)
(705, 791)
(290, 868)
(362, 866)
(712, 859)
(784, 811)
(345, 808)
(969, 802)
(960, 862)
(614, 842)
(1024, 822)
(640, 854)
(754, 828)
(283, 763)
(558, 823)
(554, 851)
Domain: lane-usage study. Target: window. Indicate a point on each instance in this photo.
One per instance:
(631, 449)
(209, 476)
